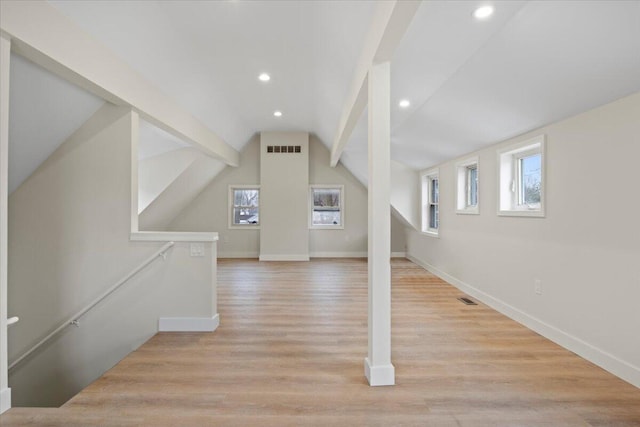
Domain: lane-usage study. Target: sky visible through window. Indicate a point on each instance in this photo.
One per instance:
(531, 168)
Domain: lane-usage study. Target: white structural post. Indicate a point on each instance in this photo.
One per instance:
(5, 57)
(377, 366)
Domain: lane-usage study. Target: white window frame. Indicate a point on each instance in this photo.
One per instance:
(463, 186)
(426, 184)
(232, 188)
(313, 226)
(509, 176)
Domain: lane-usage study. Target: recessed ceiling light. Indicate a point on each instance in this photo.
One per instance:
(277, 113)
(264, 77)
(404, 103)
(483, 12)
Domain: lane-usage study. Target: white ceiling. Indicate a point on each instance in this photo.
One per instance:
(154, 141)
(470, 83)
(476, 83)
(207, 56)
(44, 110)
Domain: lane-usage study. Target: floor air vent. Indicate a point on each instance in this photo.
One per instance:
(467, 301)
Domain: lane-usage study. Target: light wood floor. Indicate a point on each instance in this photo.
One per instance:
(290, 351)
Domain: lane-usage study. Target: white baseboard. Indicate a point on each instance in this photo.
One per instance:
(606, 361)
(188, 324)
(351, 254)
(379, 375)
(338, 254)
(222, 254)
(5, 400)
(254, 255)
(284, 257)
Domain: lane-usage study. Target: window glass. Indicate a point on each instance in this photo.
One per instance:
(433, 204)
(246, 204)
(326, 206)
(472, 185)
(530, 179)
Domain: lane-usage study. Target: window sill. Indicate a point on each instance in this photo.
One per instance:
(326, 227)
(474, 211)
(525, 213)
(431, 234)
(244, 227)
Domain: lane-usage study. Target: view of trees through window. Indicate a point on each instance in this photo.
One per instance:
(246, 204)
(326, 206)
(530, 179)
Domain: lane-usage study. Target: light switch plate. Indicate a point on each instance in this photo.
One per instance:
(197, 249)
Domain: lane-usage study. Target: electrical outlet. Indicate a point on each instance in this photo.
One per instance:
(537, 286)
(197, 249)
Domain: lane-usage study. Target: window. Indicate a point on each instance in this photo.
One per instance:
(326, 206)
(244, 206)
(467, 188)
(521, 191)
(430, 202)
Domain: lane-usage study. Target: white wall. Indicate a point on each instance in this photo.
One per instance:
(156, 173)
(209, 211)
(69, 227)
(352, 240)
(405, 193)
(284, 189)
(586, 251)
(179, 193)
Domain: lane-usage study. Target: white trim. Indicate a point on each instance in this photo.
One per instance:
(175, 236)
(431, 234)
(507, 177)
(462, 188)
(338, 254)
(607, 361)
(426, 179)
(313, 226)
(249, 254)
(379, 375)
(284, 257)
(398, 254)
(188, 324)
(5, 400)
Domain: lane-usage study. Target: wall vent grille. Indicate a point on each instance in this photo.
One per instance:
(467, 301)
(284, 149)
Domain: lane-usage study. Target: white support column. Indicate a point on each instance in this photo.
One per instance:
(377, 366)
(5, 57)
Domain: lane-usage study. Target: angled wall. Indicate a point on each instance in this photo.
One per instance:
(209, 210)
(69, 241)
(157, 173)
(179, 192)
(585, 252)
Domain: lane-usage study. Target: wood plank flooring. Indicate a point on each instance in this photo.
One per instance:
(290, 350)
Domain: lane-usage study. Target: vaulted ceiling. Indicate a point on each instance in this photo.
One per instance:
(470, 83)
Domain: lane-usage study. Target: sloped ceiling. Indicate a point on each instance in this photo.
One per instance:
(470, 83)
(44, 110)
(207, 55)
